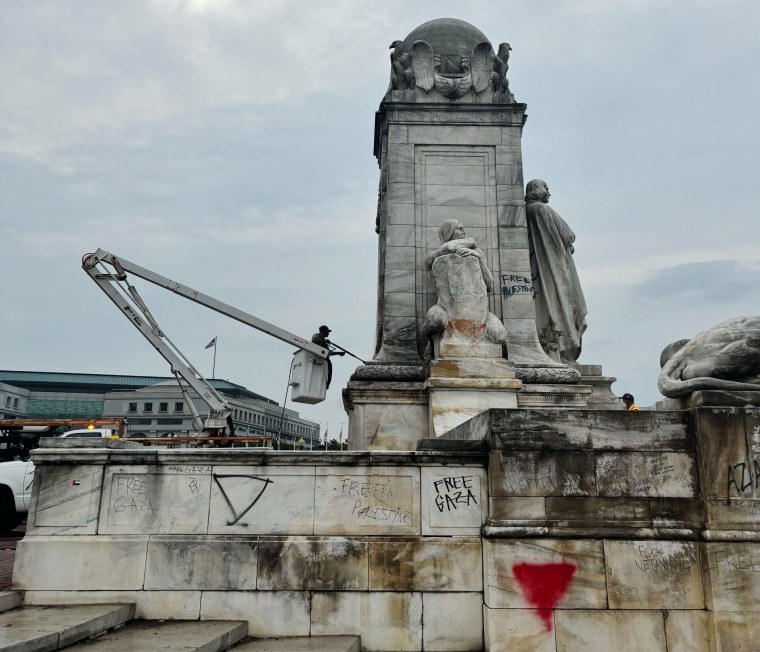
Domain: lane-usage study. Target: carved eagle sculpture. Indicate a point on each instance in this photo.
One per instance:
(475, 72)
(500, 83)
(402, 74)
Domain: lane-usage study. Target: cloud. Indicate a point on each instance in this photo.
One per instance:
(716, 281)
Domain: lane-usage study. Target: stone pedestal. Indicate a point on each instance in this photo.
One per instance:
(602, 397)
(463, 387)
(385, 415)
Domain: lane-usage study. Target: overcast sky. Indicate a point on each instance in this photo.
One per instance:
(228, 145)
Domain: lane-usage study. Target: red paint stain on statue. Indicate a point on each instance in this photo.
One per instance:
(544, 585)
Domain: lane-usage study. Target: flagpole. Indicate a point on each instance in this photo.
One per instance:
(213, 369)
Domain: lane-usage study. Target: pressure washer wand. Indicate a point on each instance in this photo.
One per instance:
(349, 352)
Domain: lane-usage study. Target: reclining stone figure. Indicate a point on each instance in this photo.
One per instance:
(724, 357)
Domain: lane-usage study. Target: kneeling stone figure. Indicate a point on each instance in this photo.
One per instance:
(462, 283)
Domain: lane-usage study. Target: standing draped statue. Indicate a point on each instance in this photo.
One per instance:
(558, 292)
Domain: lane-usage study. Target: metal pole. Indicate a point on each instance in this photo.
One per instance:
(284, 402)
(213, 369)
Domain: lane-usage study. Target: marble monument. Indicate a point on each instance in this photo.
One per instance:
(448, 143)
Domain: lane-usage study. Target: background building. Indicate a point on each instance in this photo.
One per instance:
(153, 405)
(13, 401)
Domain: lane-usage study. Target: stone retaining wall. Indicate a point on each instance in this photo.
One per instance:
(545, 530)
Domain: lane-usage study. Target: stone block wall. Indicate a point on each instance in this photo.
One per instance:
(384, 545)
(544, 530)
(624, 531)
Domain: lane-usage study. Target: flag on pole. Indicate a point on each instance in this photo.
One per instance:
(211, 343)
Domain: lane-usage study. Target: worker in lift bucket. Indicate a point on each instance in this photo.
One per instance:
(320, 339)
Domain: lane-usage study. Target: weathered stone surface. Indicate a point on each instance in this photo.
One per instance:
(450, 407)
(89, 562)
(587, 429)
(429, 564)
(216, 563)
(471, 368)
(516, 630)
(541, 473)
(646, 474)
(653, 575)
(262, 500)
(713, 398)
(736, 632)
(621, 631)
(598, 511)
(687, 631)
(725, 461)
(676, 512)
(169, 636)
(733, 513)
(587, 589)
(379, 500)
(313, 563)
(518, 509)
(452, 621)
(536, 394)
(454, 135)
(453, 500)
(388, 418)
(152, 605)
(384, 620)
(269, 613)
(732, 581)
(67, 499)
(51, 628)
(161, 498)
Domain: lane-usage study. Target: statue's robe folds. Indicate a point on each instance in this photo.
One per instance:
(558, 290)
(461, 312)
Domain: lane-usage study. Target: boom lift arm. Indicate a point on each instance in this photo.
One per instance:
(110, 273)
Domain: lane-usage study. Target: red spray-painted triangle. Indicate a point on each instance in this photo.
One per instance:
(544, 585)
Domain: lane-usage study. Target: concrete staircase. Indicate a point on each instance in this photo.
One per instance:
(111, 628)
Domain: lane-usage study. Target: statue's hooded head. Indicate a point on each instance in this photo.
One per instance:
(537, 190)
(451, 230)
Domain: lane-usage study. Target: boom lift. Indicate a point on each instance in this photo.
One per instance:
(308, 373)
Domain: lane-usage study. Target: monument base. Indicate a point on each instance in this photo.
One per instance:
(602, 397)
(711, 398)
(531, 529)
(385, 415)
(565, 396)
(469, 379)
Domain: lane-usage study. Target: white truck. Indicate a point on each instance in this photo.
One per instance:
(16, 479)
(15, 493)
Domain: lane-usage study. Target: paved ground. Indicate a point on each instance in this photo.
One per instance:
(8, 555)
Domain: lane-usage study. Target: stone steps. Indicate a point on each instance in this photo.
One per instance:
(10, 600)
(39, 629)
(301, 644)
(168, 636)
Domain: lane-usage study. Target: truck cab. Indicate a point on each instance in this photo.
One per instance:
(111, 433)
